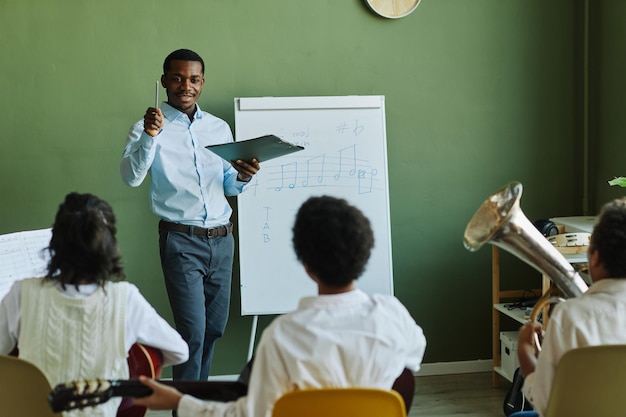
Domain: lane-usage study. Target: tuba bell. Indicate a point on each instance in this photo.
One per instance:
(501, 222)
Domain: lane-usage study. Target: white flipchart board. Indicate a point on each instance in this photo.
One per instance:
(345, 156)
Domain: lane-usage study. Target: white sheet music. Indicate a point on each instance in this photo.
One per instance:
(22, 255)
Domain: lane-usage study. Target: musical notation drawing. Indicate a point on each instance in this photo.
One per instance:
(288, 175)
(266, 226)
(343, 168)
(366, 180)
(345, 155)
(356, 130)
(316, 165)
(23, 255)
(351, 161)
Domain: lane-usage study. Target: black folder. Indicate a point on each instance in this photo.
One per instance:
(262, 148)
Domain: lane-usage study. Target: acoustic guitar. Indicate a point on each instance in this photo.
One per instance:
(144, 360)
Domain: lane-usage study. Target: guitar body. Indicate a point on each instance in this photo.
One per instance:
(405, 386)
(514, 401)
(142, 360)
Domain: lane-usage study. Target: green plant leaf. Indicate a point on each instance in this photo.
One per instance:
(621, 181)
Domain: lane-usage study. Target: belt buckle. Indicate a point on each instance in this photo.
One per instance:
(212, 232)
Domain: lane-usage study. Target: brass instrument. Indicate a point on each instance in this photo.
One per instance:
(501, 222)
(541, 309)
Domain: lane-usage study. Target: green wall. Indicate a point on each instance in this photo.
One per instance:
(607, 92)
(478, 93)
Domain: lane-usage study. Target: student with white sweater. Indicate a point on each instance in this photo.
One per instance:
(76, 323)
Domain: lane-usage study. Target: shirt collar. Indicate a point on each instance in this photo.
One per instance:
(172, 114)
(608, 285)
(355, 296)
(83, 290)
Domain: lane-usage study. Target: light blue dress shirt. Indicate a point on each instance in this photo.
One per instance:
(188, 183)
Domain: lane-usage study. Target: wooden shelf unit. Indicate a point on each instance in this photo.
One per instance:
(497, 298)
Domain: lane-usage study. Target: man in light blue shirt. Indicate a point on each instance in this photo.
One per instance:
(188, 189)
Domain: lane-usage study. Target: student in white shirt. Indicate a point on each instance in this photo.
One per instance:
(598, 317)
(341, 338)
(76, 323)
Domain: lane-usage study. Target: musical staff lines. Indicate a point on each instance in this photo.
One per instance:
(342, 168)
(23, 255)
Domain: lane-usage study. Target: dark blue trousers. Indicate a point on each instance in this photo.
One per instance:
(198, 274)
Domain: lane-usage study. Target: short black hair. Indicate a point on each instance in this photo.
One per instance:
(182, 55)
(83, 247)
(609, 237)
(333, 238)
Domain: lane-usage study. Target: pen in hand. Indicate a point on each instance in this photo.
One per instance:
(152, 120)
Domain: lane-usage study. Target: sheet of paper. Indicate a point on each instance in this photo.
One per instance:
(23, 255)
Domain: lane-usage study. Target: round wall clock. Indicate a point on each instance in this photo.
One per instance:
(392, 9)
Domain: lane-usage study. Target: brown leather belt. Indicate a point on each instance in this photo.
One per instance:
(212, 232)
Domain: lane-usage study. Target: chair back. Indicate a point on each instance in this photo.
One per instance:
(24, 389)
(589, 381)
(340, 402)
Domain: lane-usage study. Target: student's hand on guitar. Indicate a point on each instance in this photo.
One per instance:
(162, 398)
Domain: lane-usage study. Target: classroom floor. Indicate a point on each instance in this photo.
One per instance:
(467, 395)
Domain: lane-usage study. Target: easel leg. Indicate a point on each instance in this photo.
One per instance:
(255, 321)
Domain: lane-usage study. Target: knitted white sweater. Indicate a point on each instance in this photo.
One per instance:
(73, 339)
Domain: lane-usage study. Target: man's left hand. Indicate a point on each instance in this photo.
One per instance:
(246, 169)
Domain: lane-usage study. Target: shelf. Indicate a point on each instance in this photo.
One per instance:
(498, 295)
(576, 223)
(576, 258)
(516, 314)
(500, 371)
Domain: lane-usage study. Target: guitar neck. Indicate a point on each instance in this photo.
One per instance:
(205, 390)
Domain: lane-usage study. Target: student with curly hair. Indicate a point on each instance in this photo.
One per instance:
(342, 337)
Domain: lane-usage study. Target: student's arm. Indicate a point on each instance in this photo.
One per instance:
(412, 333)
(168, 398)
(163, 397)
(526, 347)
(538, 383)
(144, 325)
(192, 407)
(10, 319)
(269, 378)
